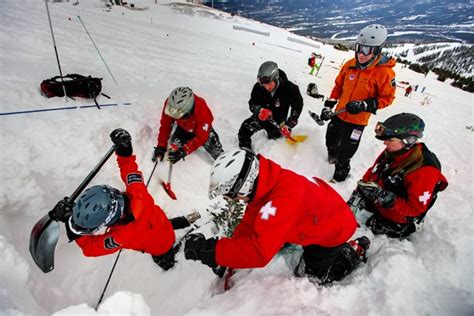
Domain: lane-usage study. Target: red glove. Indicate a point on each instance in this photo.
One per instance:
(285, 131)
(264, 114)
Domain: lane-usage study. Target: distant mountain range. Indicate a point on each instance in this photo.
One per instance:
(407, 21)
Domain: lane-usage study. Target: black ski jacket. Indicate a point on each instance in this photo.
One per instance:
(287, 95)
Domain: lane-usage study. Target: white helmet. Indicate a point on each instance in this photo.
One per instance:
(372, 35)
(234, 172)
(180, 102)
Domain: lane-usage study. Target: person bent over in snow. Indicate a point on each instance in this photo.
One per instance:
(395, 194)
(282, 207)
(193, 127)
(131, 219)
(364, 85)
(270, 102)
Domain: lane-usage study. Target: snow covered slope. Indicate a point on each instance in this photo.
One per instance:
(46, 155)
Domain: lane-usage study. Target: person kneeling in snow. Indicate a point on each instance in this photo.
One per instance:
(402, 185)
(194, 129)
(131, 218)
(283, 207)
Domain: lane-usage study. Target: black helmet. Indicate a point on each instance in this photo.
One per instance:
(404, 126)
(268, 72)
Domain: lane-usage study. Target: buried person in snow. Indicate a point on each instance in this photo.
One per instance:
(192, 119)
(395, 194)
(275, 103)
(364, 85)
(131, 218)
(282, 207)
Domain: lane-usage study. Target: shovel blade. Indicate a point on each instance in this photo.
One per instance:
(294, 139)
(168, 190)
(43, 239)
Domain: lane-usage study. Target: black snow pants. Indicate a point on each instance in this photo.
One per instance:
(213, 145)
(252, 125)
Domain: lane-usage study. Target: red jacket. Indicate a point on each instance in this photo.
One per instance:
(354, 84)
(287, 208)
(312, 61)
(417, 192)
(149, 232)
(198, 123)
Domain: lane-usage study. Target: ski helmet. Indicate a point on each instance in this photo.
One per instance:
(404, 126)
(234, 172)
(180, 102)
(97, 207)
(268, 72)
(370, 41)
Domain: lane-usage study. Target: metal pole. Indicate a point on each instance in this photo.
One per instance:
(55, 49)
(106, 66)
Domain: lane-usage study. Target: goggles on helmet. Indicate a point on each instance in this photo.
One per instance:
(403, 132)
(367, 50)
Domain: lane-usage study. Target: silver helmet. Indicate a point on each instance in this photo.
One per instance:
(180, 102)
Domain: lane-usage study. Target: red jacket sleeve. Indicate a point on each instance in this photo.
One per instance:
(99, 245)
(203, 121)
(420, 185)
(272, 224)
(166, 124)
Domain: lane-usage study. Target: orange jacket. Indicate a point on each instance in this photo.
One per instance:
(354, 84)
(286, 208)
(149, 232)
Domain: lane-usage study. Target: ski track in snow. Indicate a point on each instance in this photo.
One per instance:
(46, 155)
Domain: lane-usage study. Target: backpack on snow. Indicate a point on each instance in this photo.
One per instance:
(312, 91)
(75, 85)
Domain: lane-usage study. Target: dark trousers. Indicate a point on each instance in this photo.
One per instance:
(252, 125)
(213, 145)
(323, 265)
(342, 141)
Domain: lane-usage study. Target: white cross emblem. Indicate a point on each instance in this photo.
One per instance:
(425, 197)
(205, 127)
(267, 210)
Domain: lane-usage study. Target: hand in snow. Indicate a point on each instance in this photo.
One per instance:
(198, 248)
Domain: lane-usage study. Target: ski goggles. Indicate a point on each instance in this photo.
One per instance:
(383, 131)
(367, 50)
(264, 80)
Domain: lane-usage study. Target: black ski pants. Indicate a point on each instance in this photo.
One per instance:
(323, 265)
(213, 145)
(252, 125)
(342, 142)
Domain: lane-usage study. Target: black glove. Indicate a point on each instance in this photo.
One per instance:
(159, 153)
(198, 248)
(291, 122)
(122, 139)
(330, 103)
(62, 211)
(374, 193)
(367, 105)
(326, 113)
(175, 155)
(166, 261)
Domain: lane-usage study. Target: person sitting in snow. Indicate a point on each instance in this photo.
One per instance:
(403, 183)
(271, 99)
(131, 218)
(282, 207)
(193, 127)
(364, 85)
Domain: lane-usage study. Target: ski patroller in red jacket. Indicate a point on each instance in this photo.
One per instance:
(149, 232)
(287, 208)
(418, 186)
(199, 123)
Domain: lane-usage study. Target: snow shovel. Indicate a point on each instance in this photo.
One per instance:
(290, 139)
(167, 185)
(45, 234)
(320, 121)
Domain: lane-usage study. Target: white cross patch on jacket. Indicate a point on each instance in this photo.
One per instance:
(267, 210)
(425, 197)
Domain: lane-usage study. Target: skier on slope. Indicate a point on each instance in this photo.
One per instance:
(365, 84)
(402, 185)
(283, 207)
(131, 218)
(192, 119)
(312, 63)
(270, 102)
